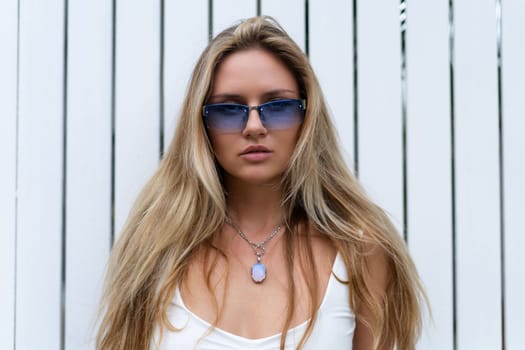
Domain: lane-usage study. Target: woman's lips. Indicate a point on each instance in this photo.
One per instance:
(255, 153)
(256, 156)
(255, 148)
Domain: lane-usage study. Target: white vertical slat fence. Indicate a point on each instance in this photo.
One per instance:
(513, 142)
(429, 187)
(89, 97)
(185, 36)
(331, 36)
(8, 144)
(88, 164)
(291, 15)
(40, 179)
(380, 146)
(477, 195)
(137, 100)
(228, 12)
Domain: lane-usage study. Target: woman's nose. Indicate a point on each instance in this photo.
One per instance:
(254, 125)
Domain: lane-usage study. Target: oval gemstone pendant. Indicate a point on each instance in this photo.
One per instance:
(258, 272)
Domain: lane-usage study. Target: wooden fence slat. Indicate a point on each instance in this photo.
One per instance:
(137, 101)
(513, 87)
(379, 108)
(290, 14)
(40, 175)
(477, 176)
(185, 36)
(88, 221)
(429, 203)
(331, 51)
(228, 12)
(8, 117)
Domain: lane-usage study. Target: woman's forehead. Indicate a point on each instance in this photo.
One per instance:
(253, 69)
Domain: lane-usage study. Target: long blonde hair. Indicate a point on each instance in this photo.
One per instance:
(166, 225)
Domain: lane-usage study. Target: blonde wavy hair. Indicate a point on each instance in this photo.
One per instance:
(183, 205)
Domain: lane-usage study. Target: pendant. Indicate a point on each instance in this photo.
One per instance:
(258, 272)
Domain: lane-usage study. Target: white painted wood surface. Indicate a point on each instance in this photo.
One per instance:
(40, 175)
(88, 200)
(477, 176)
(379, 104)
(137, 100)
(429, 159)
(291, 15)
(185, 36)
(229, 12)
(513, 87)
(8, 139)
(32, 218)
(331, 53)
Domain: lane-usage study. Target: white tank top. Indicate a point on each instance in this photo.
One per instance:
(333, 329)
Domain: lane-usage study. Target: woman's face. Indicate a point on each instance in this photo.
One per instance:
(255, 153)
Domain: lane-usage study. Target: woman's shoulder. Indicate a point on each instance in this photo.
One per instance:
(322, 246)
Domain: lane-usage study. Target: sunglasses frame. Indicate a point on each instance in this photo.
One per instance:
(247, 109)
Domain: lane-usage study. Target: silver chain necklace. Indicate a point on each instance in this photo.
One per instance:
(258, 270)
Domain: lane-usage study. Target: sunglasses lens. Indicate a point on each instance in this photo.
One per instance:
(225, 117)
(282, 114)
(231, 118)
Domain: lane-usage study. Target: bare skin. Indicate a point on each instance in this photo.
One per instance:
(252, 310)
(377, 279)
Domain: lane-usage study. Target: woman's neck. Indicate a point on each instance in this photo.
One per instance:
(255, 208)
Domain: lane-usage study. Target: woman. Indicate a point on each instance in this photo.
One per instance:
(253, 233)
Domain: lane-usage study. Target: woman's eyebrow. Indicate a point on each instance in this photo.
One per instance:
(278, 92)
(238, 97)
(226, 96)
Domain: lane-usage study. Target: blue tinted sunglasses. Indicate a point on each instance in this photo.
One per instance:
(274, 115)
